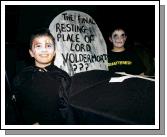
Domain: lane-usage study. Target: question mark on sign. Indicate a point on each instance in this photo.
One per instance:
(87, 65)
(74, 67)
(81, 66)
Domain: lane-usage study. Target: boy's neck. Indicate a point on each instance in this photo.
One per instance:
(115, 49)
(42, 65)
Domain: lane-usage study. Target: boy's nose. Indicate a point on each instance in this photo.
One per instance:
(44, 48)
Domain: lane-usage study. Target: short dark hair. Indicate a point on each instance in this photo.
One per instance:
(41, 32)
(118, 27)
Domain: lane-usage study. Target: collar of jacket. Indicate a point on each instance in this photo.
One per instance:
(45, 69)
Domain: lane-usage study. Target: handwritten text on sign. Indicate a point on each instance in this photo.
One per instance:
(79, 42)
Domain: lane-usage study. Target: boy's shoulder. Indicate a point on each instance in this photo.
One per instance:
(23, 74)
(26, 70)
(59, 71)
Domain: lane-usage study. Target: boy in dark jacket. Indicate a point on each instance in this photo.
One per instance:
(42, 90)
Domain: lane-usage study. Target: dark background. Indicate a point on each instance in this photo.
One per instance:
(21, 21)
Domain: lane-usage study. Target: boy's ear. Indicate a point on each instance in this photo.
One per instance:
(31, 53)
(125, 38)
(110, 39)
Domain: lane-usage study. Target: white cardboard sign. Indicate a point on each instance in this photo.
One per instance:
(79, 43)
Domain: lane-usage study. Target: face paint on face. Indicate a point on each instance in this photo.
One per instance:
(118, 38)
(40, 48)
(43, 51)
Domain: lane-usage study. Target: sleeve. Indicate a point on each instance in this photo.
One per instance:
(148, 62)
(13, 110)
(24, 116)
(140, 68)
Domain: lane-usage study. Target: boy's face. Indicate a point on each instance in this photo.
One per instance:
(118, 38)
(42, 50)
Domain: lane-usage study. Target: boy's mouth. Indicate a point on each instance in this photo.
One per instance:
(119, 42)
(43, 55)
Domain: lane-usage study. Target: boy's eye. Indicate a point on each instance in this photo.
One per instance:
(38, 46)
(115, 35)
(123, 35)
(49, 45)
